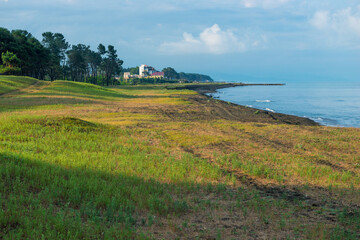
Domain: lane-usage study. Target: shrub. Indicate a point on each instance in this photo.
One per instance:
(9, 70)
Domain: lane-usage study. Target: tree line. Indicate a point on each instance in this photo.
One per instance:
(173, 76)
(171, 73)
(54, 58)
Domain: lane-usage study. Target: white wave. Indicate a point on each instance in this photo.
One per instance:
(270, 110)
(263, 101)
(249, 106)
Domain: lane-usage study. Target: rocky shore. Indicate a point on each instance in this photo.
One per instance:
(212, 87)
(231, 111)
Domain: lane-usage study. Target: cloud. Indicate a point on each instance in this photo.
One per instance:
(211, 40)
(342, 27)
(263, 3)
(320, 20)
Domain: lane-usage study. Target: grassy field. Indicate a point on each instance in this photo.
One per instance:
(12, 83)
(79, 161)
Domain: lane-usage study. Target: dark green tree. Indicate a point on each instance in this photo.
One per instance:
(94, 60)
(52, 57)
(41, 59)
(101, 49)
(11, 62)
(134, 70)
(78, 62)
(7, 41)
(10, 59)
(28, 49)
(110, 65)
(57, 45)
(170, 73)
(23, 51)
(195, 77)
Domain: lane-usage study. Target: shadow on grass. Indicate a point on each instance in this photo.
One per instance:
(39, 199)
(22, 103)
(76, 89)
(103, 96)
(10, 84)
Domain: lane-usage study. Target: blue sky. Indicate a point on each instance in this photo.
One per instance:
(246, 40)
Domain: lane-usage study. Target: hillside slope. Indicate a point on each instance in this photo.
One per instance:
(144, 162)
(13, 83)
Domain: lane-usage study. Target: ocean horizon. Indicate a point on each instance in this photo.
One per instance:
(331, 103)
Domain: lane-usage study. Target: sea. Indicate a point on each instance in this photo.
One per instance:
(335, 103)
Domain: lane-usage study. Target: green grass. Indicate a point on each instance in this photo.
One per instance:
(47, 164)
(12, 83)
(67, 88)
(27, 103)
(78, 161)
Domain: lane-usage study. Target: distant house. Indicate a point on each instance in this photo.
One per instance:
(158, 74)
(128, 75)
(150, 72)
(145, 70)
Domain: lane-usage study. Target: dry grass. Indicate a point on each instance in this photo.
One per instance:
(221, 171)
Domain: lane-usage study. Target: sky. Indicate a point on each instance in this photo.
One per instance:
(231, 40)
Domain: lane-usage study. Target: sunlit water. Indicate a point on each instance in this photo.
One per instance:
(330, 104)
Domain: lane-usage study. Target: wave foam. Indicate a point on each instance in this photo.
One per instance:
(270, 110)
(264, 101)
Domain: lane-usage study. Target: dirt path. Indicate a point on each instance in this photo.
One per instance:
(35, 87)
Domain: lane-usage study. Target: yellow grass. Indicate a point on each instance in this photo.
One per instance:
(252, 176)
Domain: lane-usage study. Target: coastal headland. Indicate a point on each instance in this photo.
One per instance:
(81, 161)
(203, 88)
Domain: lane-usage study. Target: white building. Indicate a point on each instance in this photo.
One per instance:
(142, 69)
(145, 70)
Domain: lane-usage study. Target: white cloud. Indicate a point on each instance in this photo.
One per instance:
(263, 3)
(212, 40)
(320, 19)
(341, 27)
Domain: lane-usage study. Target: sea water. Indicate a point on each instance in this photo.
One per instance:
(328, 103)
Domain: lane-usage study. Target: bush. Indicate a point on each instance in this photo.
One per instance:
(9, 70)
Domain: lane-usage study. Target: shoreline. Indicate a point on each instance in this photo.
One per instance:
(242, 113)
(213, 87)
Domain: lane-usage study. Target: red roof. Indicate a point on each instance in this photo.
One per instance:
(157, 74)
